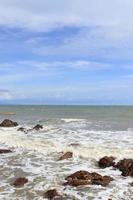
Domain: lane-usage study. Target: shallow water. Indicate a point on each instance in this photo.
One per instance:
(36, 154)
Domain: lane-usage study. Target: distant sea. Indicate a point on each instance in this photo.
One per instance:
(90, 132)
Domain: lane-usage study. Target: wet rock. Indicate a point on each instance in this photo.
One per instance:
(8, 123)
(51, 194)
(98, 179)
(131, 184)
(79, 178)
(78, 182)
(86, 178)
(5, 151)
(20, 181)
(24, 130)
(83, 175)
(38, 127)
(126, 167)
(66, 156)
(106, 162)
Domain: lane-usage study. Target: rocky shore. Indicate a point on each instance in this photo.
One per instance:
(79, 178)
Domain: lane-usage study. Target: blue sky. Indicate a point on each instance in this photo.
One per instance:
(66, 52)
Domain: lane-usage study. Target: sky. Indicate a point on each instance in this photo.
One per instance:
(66, 52)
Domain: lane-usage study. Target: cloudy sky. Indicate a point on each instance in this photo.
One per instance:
(66, 52)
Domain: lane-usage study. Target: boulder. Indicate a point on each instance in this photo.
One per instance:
(98, 179)
(83, 175)
(8, 123)
(38, 127)
(126, 167)
(106, 162)
(5, 151)
(51, 194)
(66, 156)
(86, 178)
(20, 181)
(79, 178)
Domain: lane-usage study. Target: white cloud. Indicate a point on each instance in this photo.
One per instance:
(49, 66)
(5, 95)
(107, 26)
(45, 14)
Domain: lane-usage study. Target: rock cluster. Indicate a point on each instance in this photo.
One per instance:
(38, 127)
(20, 181)
(125, 165)
(8, 123)
(86, 178)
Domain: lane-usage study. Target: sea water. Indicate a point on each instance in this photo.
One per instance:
(90, 132)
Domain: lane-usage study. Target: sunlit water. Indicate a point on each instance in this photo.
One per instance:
(89, 132)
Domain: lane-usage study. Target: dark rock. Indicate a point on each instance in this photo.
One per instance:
(74, 144)
(66, 156)
(83, 175)
(126, 167)
(8, 123)
(22, 130)
(106, 162)
(51, 194)
(5, 151)
(78, 182)
(79, 178)
(37, 127)
(86, 178)
(20, 181)
(131, 184)
(97, 179)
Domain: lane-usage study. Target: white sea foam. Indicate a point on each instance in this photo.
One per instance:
(36, 155)
(67, 120)
(50, 140)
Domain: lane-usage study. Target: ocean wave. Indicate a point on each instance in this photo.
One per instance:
(35, 155)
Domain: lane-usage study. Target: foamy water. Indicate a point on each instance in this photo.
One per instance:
(35, 155)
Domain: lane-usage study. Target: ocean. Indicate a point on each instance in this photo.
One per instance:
(90, 132)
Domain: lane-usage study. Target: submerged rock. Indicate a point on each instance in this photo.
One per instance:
(66, 156)
(106, 162)
(20, 181)
(22, 130)
(8, 123)
(126, 167)
(37, 127)
(86, 178)
(5, 151)
(51, 194)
